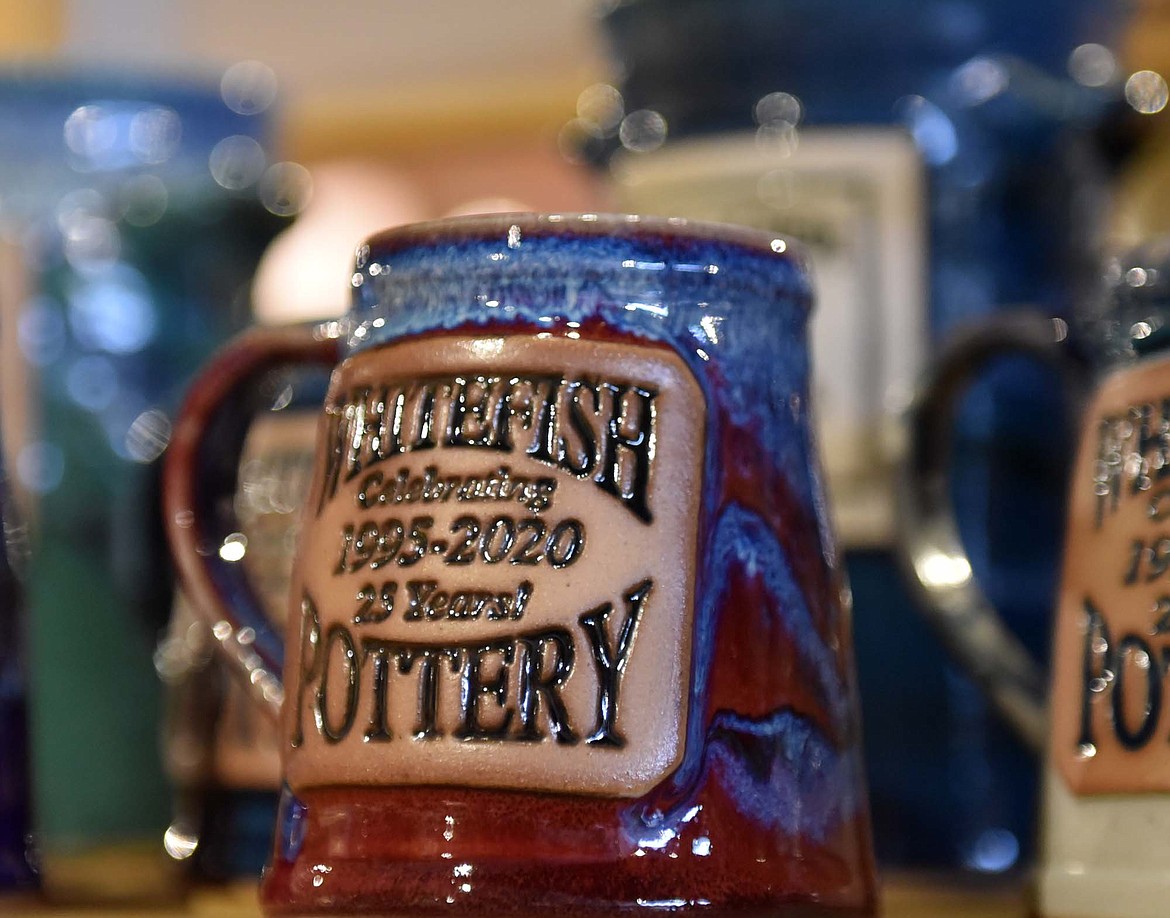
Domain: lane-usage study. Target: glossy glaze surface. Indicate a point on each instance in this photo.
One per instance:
(766, 812)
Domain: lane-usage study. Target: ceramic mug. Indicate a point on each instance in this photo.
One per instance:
(1098, 719)
(567, 630)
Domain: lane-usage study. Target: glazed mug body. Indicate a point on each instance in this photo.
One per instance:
(567, 631)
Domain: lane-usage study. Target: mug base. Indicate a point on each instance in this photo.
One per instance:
(423, 851)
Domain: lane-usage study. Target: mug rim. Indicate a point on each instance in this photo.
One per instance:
(600, 225)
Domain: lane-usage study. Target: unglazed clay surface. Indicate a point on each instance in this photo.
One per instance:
(495, 584)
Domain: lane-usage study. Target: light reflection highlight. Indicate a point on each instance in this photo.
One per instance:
(285, 189)
(248, 87)
(487, 348)
(148, 436)
(155, 134)
(237, 162)
(113, 311)
(655, 309)
(180, 843)
(1140, 330)
(89, 237)
(601, 105)
(1146, 92)
(143, 200)
(1092, 65)
(320, 871)
(643, 131)
(1136, 277)
(932, 130)
(943, 570)
(90, 132)
(979, 80)
(104, 135)
(234, 547)
(778, 108)
(994, 851)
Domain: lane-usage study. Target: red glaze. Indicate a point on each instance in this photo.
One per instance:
(445, 850)
(387, 854)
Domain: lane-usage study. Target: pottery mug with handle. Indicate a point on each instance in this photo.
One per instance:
(1099, 718)
(567, 630)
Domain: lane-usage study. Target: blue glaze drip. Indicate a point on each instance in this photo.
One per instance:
(742, 542)
(290, 825)
(783, 773)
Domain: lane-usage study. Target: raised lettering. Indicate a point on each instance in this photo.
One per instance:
(1134, 648)
(546, 662)
(310, 658)
(339, 635)
(611, 661)
(475, 684)
(381, 653)
(428, 659)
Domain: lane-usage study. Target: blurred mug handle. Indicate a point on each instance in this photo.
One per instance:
(929, 545)
(200, 475)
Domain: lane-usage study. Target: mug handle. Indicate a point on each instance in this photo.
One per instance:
(930, 548)
(199, 480)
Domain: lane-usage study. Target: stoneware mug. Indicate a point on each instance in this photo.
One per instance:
(567, 631)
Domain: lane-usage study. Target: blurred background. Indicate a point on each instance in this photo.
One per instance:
(172, 172)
